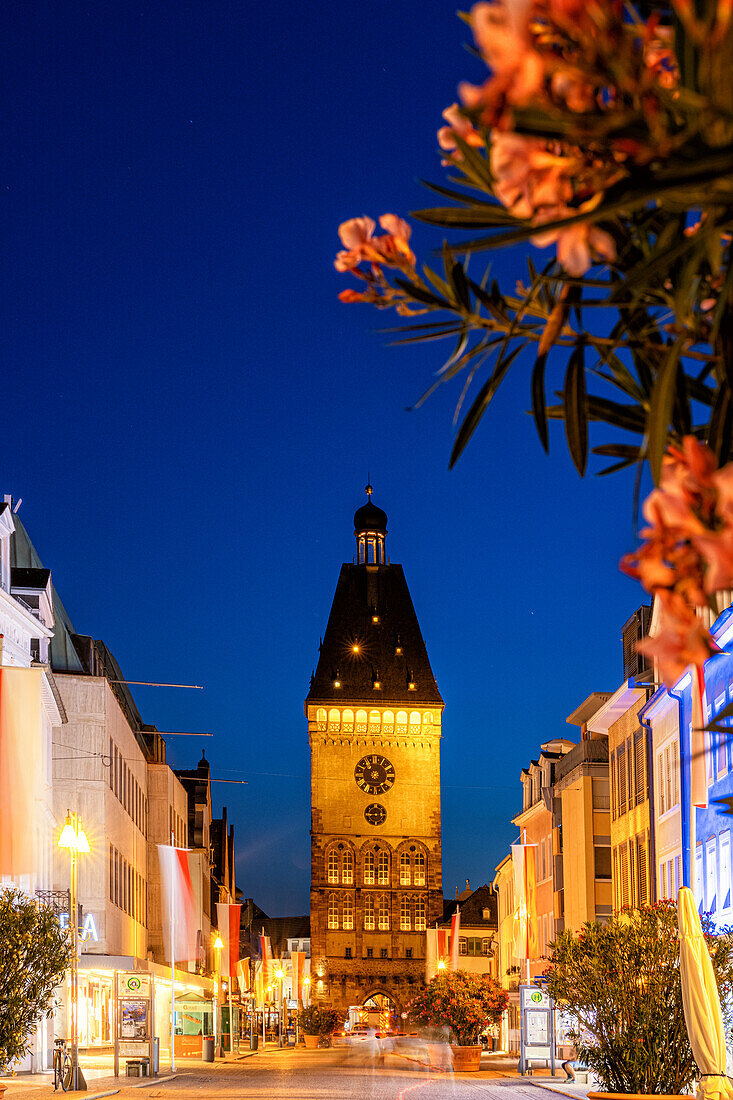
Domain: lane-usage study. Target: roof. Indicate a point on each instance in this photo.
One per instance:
(472, 909)
(29, 577)
(363, 593)
(282, 929)
(588, 708)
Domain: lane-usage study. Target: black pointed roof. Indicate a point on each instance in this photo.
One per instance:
(366, 593)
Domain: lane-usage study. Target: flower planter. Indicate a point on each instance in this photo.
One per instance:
(632, 1096)
(466, 1059)
(311, 1041)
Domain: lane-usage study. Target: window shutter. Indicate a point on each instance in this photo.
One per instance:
(639, 768)
(643, 893)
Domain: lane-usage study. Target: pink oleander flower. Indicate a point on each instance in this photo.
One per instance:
(687, 552)
(578, 246)
(527, 174)
(460, 125)
(392, 249)
(503, 36)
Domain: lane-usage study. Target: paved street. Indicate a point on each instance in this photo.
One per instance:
(327, 1075)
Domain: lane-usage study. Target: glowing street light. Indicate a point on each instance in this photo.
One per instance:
(218, 945)
(75, 840)
(280, 974)
(306, 986)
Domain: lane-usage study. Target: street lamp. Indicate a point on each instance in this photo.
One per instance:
(307, 987)
(280, 974)
(218, 945)
(74, 838)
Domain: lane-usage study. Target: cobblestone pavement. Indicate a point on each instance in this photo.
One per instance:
(326, 1075)
(273, 1074)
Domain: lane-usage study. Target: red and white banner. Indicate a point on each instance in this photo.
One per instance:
(228, 918)
(259, 985)
(180, 914)
(526, 944)
(268, 965)
(698, 743)
(243, 975)
(455, 928)
(297, 963)
(20, 768)
(436, 948)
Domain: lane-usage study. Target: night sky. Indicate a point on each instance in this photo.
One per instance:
(190, 415)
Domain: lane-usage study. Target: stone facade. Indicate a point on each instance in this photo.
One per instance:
(374, 725)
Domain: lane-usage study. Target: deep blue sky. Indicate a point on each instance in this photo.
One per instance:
(189, 413)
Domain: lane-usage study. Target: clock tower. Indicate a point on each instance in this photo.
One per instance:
(374, 719)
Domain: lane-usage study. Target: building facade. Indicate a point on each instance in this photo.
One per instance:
(374, 724)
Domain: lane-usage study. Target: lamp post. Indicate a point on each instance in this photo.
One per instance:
(74, 838)
(280, 974)
(307, 989)
(217, 949)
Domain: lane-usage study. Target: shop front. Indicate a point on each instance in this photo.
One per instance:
(97, 1012)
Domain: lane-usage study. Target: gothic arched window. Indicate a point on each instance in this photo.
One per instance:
(347, 868)
(333, 866)
(405, 914)
(348, 914)
(369, 868)
(383, 869)
(368, 913)
(405, 869)
(333, 911)
(420, 915)
(383, 913)
(419, 866)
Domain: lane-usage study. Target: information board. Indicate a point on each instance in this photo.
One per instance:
(134, 1004)
(537, 1027)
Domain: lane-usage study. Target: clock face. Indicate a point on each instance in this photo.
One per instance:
(375, 814)
(374, 774)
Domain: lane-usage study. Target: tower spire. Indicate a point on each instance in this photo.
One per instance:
(370, 529)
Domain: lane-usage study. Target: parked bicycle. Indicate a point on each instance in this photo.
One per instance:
(63, 1065)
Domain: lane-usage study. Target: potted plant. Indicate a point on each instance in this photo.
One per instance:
(621, 980)
(464, 1003)
(315, 1022)
(34, 953)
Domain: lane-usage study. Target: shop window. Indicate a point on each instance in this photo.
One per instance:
(347, 868)
(419, 869)
(405, 923)
(420, 915)
(348, 914)
(369, 868)
(405, 869)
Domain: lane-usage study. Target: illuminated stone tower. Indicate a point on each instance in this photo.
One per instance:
(374, 718)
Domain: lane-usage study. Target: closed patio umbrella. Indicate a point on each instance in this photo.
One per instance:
(701, 1003)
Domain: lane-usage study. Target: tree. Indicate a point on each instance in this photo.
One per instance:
(34, 953)
(466, 1003)
(622, 982)
(605, 129)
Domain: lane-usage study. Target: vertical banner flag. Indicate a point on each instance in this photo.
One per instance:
(436, 948)
(21, 763)
(228, 918)
(525, 915)
(178, 904)
(297, 958)
(259, 984)
(455, 928)
(268, 968)
(698, 743)
(243, 975)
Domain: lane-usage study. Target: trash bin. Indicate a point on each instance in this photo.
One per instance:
(253, 1039)
(208, 1048)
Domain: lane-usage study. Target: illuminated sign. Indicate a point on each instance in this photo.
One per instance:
(88, 930)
